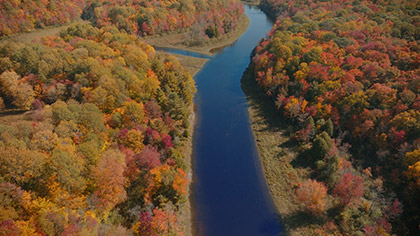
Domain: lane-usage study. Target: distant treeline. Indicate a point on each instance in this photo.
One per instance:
(211, 18)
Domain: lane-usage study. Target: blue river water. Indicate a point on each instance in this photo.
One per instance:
(229, 193)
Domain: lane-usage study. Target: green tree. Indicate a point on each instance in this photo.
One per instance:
(321, 145)
(328, 127)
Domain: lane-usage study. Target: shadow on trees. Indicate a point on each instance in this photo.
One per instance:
(303, 159)
(302, 219)
(264, 104)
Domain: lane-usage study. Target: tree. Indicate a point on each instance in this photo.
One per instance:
(91, 118)
(109, 179)
(349, 189)
(17, 92)
(328, 127)
(149, 157)
(321, 145)
(311, 194)
(68, 167)
(60, 112)
(44, 140)
(412, 157)
(133, 113)
(143, 227)
(20, 165)
(134, 140)
(314, 54)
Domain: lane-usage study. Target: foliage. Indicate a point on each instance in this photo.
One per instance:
(348, 66)
(311, 194)
(140, 17)
(97, 148)
(215, 17)
(21, 16)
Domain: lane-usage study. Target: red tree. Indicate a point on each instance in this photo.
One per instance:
(349, 189)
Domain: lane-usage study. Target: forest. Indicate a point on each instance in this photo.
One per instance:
(346, 75)
(94, 123)
(101, 150)
(206, 19)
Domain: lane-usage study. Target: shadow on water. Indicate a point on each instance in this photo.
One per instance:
(269, 227)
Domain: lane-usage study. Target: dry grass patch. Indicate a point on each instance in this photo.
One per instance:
(192, 64)
(39, 33)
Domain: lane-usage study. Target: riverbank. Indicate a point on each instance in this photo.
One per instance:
(192, 64)
(277, 155)
(178, 40)
(185, 213)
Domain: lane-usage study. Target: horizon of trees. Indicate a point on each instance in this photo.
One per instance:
(204, 18)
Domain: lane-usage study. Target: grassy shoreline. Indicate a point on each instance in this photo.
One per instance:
(192, 64)
(185, 213)
(177, 40)
(277, 154)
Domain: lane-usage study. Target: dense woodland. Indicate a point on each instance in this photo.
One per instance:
(346, 74)
(94, 124)
(23, 15)
(143, 17)
(101, 150)
(204, 18)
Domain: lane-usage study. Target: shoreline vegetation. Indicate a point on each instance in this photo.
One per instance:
(194, 64)
(338, 161)
(276, 154)
(185, 214)
(178, 40)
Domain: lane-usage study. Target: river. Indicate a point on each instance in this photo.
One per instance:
(229, 193)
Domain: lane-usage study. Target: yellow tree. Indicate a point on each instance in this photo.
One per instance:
(109, 178)
(19, 93)
(311, 194)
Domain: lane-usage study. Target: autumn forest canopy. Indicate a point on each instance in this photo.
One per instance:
(140, 17)
(346, 74)
(94, 123)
